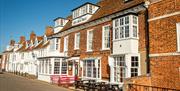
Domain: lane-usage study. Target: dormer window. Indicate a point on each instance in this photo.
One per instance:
(83, 13)
(59, 24)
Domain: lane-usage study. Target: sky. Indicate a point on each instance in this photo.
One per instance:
(21, 17)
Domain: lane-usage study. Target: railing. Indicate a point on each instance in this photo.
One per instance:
(136, 87)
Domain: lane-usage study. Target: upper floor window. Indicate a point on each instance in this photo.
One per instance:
(89, 40)
(66, 43)
(134, 66)
(59, 22)
(83, 13)
(125, 27)
(106, 37)
(178, 36)
(85, 9)
(56, 44)
(77, 41)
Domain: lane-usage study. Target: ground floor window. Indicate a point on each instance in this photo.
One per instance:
(119, 68)
(90, 69)
(134, 66)
(64, 67)
(45, 66)
(57, 66)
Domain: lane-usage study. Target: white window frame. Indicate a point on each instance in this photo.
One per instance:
(103, 37)
(97, 62)
(66, 43)
(119, 27)
(178, 36)
(135, 67)
(57, 43)
(117, 67)
(64, 67)
(88, 40)
(77, 41)
(57, 71)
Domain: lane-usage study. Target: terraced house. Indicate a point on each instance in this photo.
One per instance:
(134, 42)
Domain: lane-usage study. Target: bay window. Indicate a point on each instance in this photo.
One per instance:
(89, 40)
(45, 66)
(106, 37)
(125, 27)
(119, 68)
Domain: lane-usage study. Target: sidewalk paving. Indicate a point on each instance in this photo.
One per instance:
(12, 82)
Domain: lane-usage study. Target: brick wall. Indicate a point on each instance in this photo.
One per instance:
(165, 71)
(163, 7)
(163, 39)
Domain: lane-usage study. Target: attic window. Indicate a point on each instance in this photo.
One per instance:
(83, 13)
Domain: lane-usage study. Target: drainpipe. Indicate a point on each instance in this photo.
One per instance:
(147, 36)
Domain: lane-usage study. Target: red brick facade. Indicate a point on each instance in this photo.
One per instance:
(164, 66)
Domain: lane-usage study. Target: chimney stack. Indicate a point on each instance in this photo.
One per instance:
(32, 36)
(49, 31)
(12, 42)
(22, 39)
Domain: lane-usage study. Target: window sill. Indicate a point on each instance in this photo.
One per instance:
(114, 40)
(89, 51)
(105, 49)
(76, 49)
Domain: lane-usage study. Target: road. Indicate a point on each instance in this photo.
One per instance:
(11, 82)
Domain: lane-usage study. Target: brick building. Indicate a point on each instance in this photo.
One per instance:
(106, 42)
(164, 41)
(125, 42)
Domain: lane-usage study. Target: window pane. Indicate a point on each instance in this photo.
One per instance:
(119, 69)
(116, 22)
(134, 20)
(134, 31)
(106, 37)
(121, 21)
(126, 31)
(64, 67)
(116, 33)
(121, 32)
(56, 66)
(90, 40)
(127, 20)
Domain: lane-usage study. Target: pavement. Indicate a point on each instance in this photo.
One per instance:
(11, 82)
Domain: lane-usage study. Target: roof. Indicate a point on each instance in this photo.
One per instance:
(107, 7)
(39, 38)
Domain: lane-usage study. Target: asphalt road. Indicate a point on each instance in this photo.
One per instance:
(10, 82)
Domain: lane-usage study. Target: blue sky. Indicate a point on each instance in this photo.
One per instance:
(20, 17)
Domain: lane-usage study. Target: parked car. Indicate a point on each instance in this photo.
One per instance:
(1, 71)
